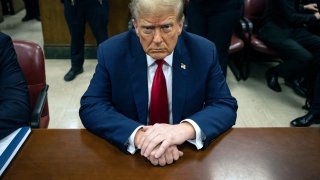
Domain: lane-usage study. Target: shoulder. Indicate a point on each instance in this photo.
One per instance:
(197, 50)
(121, 39)
(120, 46)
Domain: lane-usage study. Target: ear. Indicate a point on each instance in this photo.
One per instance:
(134, 23)
(181, 25)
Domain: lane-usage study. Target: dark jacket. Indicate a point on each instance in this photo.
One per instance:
(14, 97)
(281, 18)
(217, 6)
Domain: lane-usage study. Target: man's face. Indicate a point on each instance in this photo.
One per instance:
(158, 34)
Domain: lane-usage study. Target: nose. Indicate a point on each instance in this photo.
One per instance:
(157, 38)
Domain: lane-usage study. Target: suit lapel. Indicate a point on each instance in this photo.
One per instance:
(180, 72)
(139, 81)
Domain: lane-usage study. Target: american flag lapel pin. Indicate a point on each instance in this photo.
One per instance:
(183, 66)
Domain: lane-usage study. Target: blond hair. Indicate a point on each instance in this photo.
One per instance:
(139, 7)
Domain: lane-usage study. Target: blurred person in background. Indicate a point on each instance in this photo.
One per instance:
(216, 21)
(284, 29)
(77, 14)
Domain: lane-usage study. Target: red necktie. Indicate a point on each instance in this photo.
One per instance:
(159, 108)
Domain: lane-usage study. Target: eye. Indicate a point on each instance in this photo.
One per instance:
(147, 29)
(166, 28)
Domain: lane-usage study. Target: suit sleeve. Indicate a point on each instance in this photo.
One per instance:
(14, 97)
(97, 112)
(220, 108)
(292, 14)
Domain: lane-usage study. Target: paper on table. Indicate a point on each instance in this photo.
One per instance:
(10, 146)
(4, 143)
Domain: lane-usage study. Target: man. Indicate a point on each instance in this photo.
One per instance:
(77, 13)
(157, 86)
(14, 97)
(216, 21)
(313, 116)
(283, 28)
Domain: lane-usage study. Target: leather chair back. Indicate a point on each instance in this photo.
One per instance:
(31, 59)
(254, 10)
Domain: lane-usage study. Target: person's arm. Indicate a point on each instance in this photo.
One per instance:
(292, 15)
(97, 111)
(15, 108)
(132, 147)
(199, 136)
(220, 108)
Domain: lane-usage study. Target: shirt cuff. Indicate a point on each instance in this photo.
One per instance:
(198, 141)
(131, 147)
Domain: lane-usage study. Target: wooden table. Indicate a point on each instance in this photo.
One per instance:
(241, 153)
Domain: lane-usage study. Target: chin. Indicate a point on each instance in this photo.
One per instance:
(158, 55)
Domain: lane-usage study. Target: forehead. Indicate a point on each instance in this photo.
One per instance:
(157, 16)
(157, 20)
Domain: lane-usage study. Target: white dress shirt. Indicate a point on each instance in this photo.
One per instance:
(167, 71)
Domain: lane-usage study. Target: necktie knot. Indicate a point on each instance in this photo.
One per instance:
(160, 62)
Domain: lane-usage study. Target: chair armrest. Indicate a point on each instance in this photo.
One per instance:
(37, 111)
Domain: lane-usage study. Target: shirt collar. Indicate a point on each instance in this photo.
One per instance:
(168, 60)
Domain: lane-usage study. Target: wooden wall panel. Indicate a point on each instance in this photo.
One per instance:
(56, 36)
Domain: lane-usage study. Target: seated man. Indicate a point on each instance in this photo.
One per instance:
(283, 28)
(158, 86)
(14, 97)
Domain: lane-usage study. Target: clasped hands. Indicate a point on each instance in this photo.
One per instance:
(158, 143)
(314, 8)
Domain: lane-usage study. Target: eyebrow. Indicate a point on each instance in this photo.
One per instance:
(161, 25)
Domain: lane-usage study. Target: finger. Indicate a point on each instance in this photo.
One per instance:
(162, 161)
(153, 161)
(177, 154)
(163, 147)
(180, 153)
(157, 141)
(146, 134)
(169, 156)
(146, 139)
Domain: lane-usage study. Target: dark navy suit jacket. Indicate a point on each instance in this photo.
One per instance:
(14, 97)
(116, 102)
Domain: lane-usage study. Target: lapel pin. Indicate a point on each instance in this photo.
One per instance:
(183, 66)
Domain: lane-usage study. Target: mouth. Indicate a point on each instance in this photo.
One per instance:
(156, 50)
